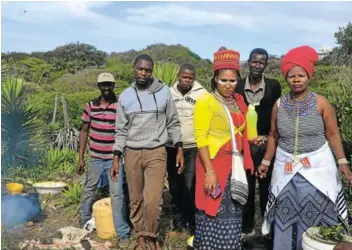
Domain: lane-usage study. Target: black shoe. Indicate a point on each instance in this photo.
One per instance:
(258, 242)
(82, 223)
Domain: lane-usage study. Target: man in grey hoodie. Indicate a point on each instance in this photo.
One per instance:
(185, 92)
(146, 117)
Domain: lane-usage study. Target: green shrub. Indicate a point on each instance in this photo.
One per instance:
(340, 96)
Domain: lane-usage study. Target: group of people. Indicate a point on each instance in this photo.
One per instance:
(199, 140)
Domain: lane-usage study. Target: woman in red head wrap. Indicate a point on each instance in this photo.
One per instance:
(305, 188)
(224, 155)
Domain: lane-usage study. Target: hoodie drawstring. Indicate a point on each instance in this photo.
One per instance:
(139, 101)
(140, 104)
(156, 105)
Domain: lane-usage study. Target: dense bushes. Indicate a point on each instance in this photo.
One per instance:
(48, 80)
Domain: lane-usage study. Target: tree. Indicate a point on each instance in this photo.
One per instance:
(77, 56)
(344, 38)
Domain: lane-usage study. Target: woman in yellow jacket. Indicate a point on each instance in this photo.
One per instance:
(220, 134)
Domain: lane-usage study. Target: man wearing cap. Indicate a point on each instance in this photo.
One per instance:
(99, 118)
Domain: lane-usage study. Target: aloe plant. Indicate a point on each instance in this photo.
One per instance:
(21, 135)
(71, 199)
(166, 72)
(53, 158)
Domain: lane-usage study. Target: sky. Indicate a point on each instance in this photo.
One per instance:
(203, 27)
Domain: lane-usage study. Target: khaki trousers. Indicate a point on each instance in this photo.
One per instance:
(145, 172)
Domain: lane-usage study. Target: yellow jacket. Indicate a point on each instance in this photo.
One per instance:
(211, 125)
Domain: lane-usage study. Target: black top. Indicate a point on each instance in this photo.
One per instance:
(271, 94)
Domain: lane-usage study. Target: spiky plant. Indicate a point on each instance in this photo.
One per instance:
(71, 199)
(166, 72)
(21, 136)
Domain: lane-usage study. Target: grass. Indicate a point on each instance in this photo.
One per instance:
(176, 240)
(5, 242)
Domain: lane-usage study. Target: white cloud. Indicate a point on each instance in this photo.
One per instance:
(184, 16)
(311, 23)
(252, 16)
(197, 25)
(59, 14)
(49, 12)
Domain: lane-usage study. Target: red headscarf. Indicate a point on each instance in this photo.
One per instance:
(226, 59)
(303, 56)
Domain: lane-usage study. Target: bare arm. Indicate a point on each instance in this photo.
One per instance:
(205, 157)
(273, 135)
(83, 140)
(333, 135)
(331, 128)
(272, 144)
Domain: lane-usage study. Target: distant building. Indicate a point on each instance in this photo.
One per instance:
(323, 51)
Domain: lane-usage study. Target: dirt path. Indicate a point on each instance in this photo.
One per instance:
(48, 223)
(53, 219)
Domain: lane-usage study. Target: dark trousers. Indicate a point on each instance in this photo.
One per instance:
(257, 153)
(182, 186)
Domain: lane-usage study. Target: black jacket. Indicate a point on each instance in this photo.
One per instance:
(272, 92)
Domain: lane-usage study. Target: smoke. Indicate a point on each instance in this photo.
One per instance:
(19, 209)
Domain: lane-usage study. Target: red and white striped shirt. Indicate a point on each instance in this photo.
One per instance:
(102, 128)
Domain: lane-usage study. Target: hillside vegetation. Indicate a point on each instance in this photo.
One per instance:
(42, 100)
(71, 70)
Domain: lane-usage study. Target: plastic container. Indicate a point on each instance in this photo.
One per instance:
(14, 188)
(309, 243)
(49, 187)
(104, 223)
(251, 120)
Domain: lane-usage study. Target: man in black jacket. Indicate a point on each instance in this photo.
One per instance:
(263, 93)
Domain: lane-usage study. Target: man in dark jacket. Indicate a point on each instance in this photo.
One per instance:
(263, 93)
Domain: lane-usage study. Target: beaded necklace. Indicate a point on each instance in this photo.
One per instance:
(296, 109)
(230, 102)
(301, 108)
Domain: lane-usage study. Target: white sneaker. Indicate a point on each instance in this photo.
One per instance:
(90, 225)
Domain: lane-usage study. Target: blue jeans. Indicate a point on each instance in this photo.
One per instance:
(96, 169)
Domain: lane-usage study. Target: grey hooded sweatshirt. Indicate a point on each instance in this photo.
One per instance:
(145, 119)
